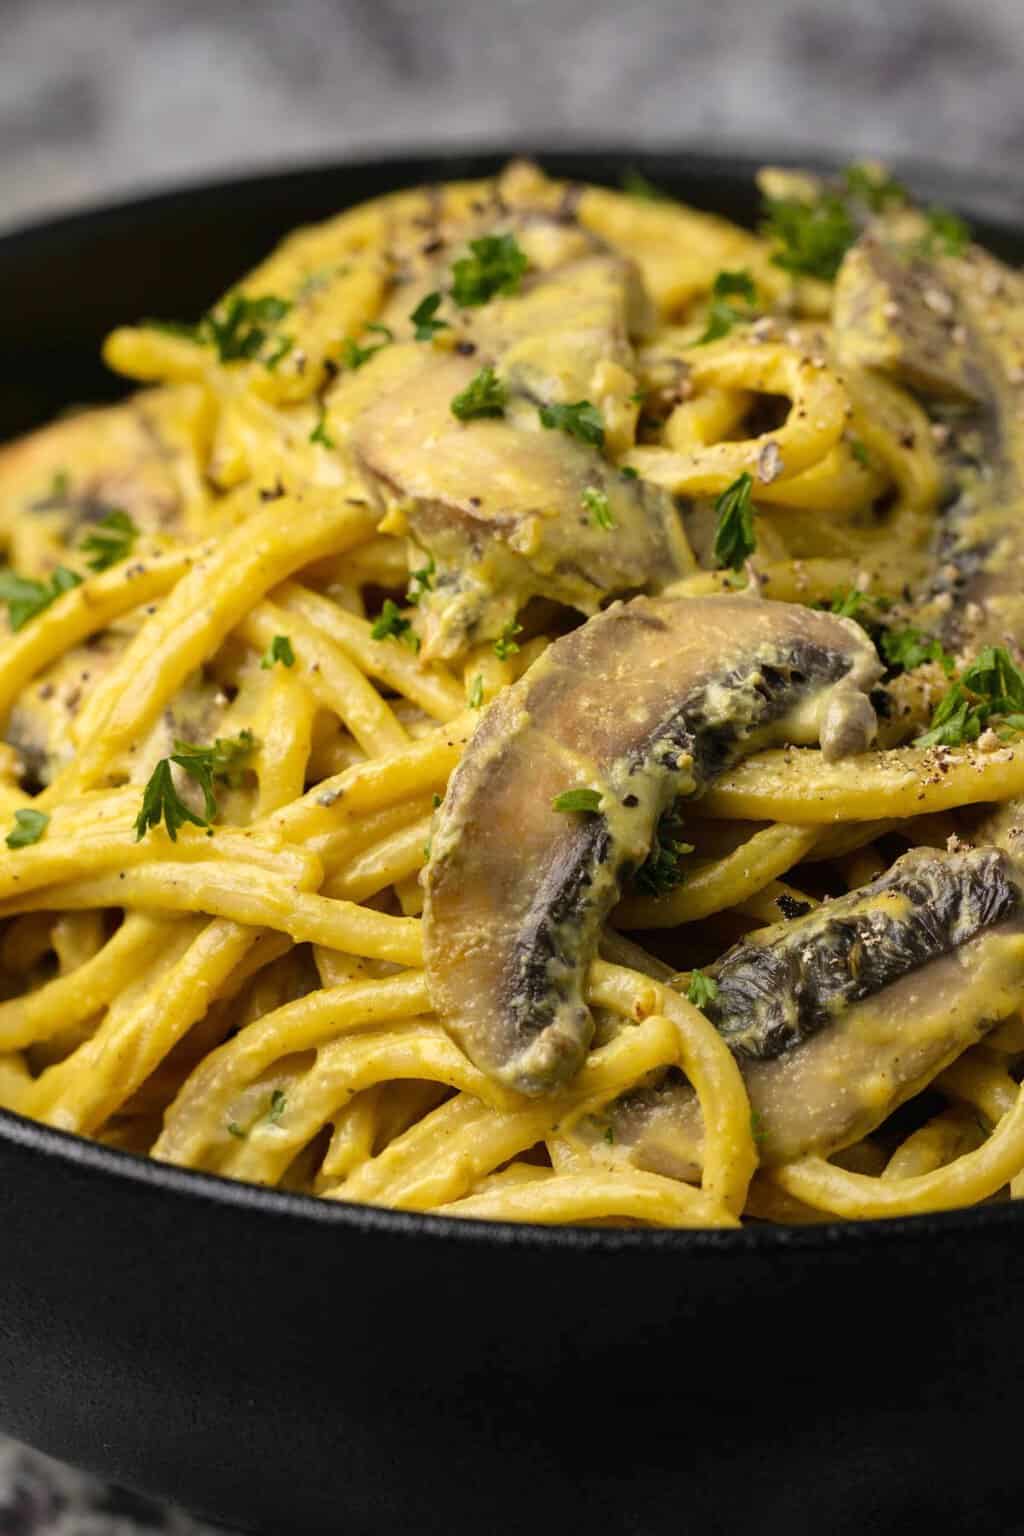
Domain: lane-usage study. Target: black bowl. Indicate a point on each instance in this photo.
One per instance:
(291, 1366)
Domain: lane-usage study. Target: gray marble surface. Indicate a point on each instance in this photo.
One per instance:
(99, 98)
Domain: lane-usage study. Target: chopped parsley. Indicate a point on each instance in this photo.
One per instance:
(484, 395)
(28, 828)
(993, 685)
(599, 508)
(354, 356)
(239, 327)
(860, 453)
(848, 604)
(629, 473)
(661, 872)
(734, 528)
(220, 762)
(495, 265)
(279, 650)
(111, 540)
(423, 319)
(757, 1129)
(874, 187)
(57, 495)
(26, 598)
(948, 234)
(420, 582)
(390, 624)
(476, 692)
(811, 237)
(722, 313)
(280, 352)
(995, 676)
(909, 648)
(702, 989)
(956, 720)
(236, 1130)
(577, 800)
(278, 1104)
(320, 433)
(581, 420)
(505, 645)
(635, 184)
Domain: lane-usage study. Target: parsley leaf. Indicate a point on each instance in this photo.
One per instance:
(722, 315)
(422, 318)
(476, 692)
(874, 187)
(278, 1104)
(994, 675)
(161, 802)
(280, 352)
(26, 598)
(484, 395)
(909, 648)
(279, 649)
(757, 1129)
(702, 989)
(160, 799)
(111, 540)
(629, 473)
(992, 685)
(505, 645)
(860, 453)
(238, 328)
(581, 420)
(354, 356)
(848, 604)
(320, 433)
(660, 872)
(811, 237)
(421, 581)
(28, 828)
(948, 234)
(635, 184)
(390, 624)
(955, 720)
(734, 531)
(577, 800)
(236, 1130)
(495, 265)
(597, 504)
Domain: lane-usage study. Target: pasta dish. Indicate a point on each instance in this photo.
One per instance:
(521, 715)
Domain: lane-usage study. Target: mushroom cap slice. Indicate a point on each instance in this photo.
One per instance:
(941, 938)
(951, 329)
(648, 701)
(500, 505)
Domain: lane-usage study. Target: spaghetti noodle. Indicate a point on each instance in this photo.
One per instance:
(521, 717)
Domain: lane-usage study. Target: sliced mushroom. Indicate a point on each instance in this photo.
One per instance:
(842, 1016)
(141, 457)
(39, 728)
(500, 506)
(952, 330)
(504, 507)
(648, 701)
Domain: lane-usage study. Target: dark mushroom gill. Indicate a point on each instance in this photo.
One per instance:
(646, 702)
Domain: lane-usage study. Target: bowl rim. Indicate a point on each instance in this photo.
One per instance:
(118, 1167)
(967, 188)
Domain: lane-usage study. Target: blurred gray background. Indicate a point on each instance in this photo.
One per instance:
(100, 97)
